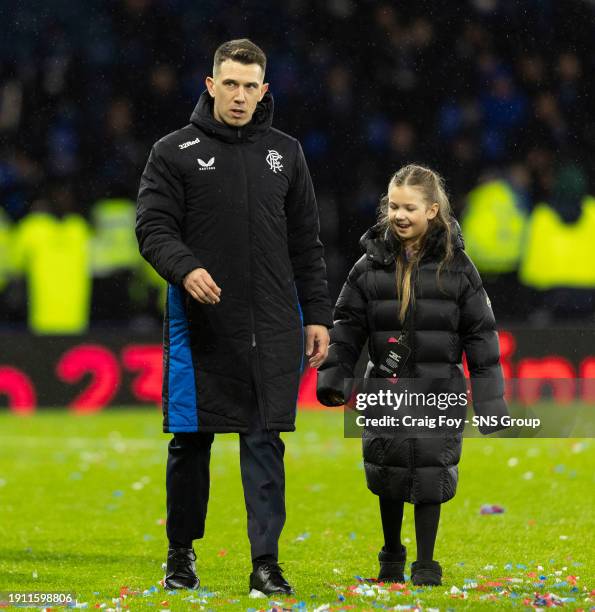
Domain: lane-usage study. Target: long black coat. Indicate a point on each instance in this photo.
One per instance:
(240, 203)
(446, 320)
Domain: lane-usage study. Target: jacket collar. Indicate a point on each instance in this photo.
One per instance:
(383, 247)
(202, 117)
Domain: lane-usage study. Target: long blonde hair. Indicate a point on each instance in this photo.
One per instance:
(431, 186)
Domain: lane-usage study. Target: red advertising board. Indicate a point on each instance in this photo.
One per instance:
(87, 374)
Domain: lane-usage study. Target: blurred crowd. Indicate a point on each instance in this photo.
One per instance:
(487, 92)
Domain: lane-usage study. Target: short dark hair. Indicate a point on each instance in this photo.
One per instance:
(240, 50)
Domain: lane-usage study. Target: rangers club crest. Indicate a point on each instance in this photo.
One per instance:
(274, 161)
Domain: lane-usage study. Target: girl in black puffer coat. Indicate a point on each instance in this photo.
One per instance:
(415, 277)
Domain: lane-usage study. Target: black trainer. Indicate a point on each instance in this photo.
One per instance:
(180, 572)
(426, 573)
(267, 579)
(392, 565)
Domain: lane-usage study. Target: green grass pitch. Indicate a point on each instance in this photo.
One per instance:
(82, 509)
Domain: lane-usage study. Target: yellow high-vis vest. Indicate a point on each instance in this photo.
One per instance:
(114, 246)
(493, 224)
(53, 254)
(559, 254)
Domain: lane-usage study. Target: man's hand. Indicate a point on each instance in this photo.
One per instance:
(317, 341)
(201, 286)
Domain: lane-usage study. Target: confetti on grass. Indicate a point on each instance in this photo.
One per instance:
(527, 584)
(532, 588)
(491, 509)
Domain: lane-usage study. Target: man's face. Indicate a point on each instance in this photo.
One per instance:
(236, 89)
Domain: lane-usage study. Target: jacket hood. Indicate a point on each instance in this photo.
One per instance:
(202, 116)
(382, 246)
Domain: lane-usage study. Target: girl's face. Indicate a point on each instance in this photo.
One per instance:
(408, 213)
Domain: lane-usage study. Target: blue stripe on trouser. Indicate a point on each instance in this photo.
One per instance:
(182, 409)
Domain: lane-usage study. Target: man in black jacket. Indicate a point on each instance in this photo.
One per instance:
(227, 215)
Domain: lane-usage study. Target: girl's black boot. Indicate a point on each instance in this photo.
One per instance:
(392, 565)
(426, 573)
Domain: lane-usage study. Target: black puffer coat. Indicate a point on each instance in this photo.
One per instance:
(240, 203)
(445, 321)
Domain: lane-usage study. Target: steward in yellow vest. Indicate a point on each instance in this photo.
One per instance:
(114, 246)
(559, 254)
(124, 284)
(493, 224)
(52, 252)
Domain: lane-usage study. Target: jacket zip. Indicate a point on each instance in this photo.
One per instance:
(253, 347)
(409, 333)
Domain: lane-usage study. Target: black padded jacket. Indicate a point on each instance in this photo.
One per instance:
(240, 203)
(446, 319)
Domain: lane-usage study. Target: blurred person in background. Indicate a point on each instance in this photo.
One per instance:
(51, 250)
(559, 250)
(115, 260)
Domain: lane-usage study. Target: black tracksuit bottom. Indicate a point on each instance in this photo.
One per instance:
(263, 480)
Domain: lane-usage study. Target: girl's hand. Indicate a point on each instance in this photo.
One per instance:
(317, 341)
(336, 399)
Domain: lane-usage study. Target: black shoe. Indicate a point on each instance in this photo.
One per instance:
(181, 571)
(267, 579)
(426, 573)
(392, 565)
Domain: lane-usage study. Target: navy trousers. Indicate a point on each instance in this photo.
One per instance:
(263, 480)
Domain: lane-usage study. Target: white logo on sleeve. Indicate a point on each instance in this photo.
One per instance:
(206, 165)
(273, 160)
(188, 143)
